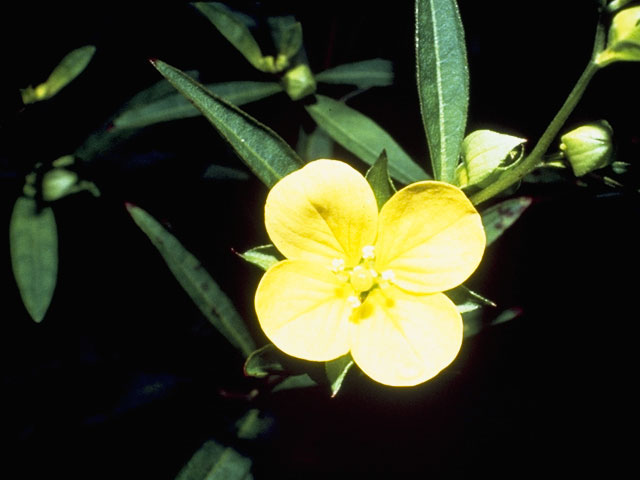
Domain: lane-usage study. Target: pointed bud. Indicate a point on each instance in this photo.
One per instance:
(485, 155)
(623, 43)
(588, 147)
(299, 82)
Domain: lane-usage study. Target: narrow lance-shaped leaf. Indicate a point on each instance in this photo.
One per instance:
(203, 290)
(376, 72)
(363, 137)
(33, 239)
(315, 145)
(443, 82)
(176, 106)
(264, 152)
(72, 65)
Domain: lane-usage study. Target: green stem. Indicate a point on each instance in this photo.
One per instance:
(534, 159)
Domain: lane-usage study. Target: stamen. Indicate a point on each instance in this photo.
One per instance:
(337, 265)
(353, 301)
(368, 252)
(388, 275)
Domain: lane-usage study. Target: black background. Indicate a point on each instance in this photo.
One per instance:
(548, 392)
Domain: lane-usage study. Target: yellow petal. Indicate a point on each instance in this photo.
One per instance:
(324, 211)
(303, 309)
(403, 339)
(430, 236)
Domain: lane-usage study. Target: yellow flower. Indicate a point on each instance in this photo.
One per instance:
(364, 282)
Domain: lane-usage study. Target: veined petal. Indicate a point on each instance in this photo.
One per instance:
(403, 339)
(324, 211)
(430, 236)
(303, 308)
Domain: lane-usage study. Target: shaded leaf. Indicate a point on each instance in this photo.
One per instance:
(295, 381)
(263, 256)
(263, 362)
(287, 35)
(376, 72)
(318, 144)
(336, 371)
(218, 172)
(363, 137)
(203, 290)
(443, 82)
(33, 239)
(72, 65)
(214, 461)
(264, 152)
(233, 27)
(378, 178)
(253, 424)
(176, 106)
(498, 218)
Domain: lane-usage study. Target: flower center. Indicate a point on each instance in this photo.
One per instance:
(363, 277)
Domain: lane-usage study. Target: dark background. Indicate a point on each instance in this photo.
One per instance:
(125, 379)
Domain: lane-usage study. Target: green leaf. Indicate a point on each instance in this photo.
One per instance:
(376, 72)
(176, 106)
(381, 183)
(33, 240)
(363, 137)
(234, 29)
(265, 361)
(443, 82)
(218, 172)
(264, 152)
(264, 256)
(336, 371)
(72, 65)
(202, 289)
(498, 218)
(317, 144)
(214, 461)
(253, 424)
(286, 34)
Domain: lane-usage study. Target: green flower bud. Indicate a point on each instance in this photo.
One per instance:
(485, 155)
(57, 183)
(623, 43)
(299, 82)
(588, 147)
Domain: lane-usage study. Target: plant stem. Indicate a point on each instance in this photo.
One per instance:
(534, 159)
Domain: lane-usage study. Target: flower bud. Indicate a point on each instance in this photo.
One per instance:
(624, 38)
(588, 147)
(57, 183)
(485, 155)
(299, 82)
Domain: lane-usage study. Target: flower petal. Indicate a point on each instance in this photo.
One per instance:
(324, 211)
(303, 309)
(430, 236)
(403, 339)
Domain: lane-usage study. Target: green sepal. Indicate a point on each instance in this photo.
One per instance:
(443, 82)
(286, 33)
(376, 72)
(380, 181)
(196, 281)
(33, 241)
(72, 65)
(498, 218)
(336, 371)
(263, 151)
(363, 137)
(263, 256)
